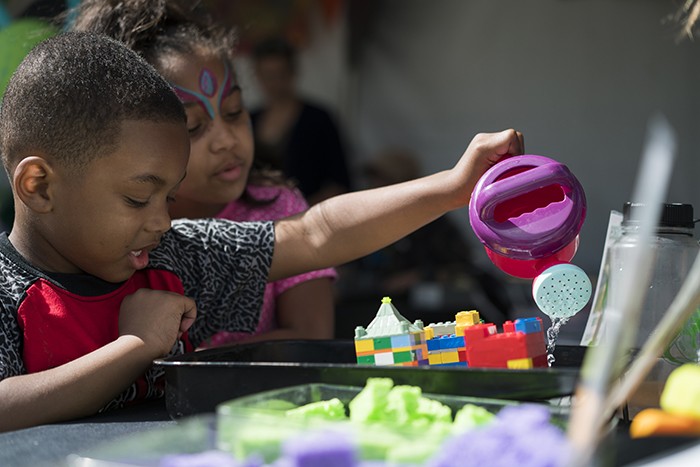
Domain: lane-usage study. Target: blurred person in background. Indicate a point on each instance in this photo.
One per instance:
(22, 26)
(292, 134)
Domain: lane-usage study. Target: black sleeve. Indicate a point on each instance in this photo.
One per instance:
(223, 266)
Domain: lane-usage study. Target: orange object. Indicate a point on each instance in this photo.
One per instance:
(656, 422)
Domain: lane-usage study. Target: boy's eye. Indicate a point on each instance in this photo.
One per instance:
(170, 199)
(134, 203)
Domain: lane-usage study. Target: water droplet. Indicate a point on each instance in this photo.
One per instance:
(552, 334)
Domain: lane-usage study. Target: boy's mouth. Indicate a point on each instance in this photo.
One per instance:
(138, 259)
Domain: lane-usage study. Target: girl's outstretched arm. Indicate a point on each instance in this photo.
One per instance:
(353, 225)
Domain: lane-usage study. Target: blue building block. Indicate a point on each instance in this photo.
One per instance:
(400, 341)
(528, 325)
(451, 342)
(464, 364)
(433, 344)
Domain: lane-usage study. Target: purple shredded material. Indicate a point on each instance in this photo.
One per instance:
(206, 459)
(519, 435)
(322, 449)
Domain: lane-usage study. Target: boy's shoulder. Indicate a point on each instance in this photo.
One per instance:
(213, 230)
(190, 241)
(16, 274)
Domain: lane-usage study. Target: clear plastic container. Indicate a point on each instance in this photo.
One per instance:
(257, 424)
(674, 249)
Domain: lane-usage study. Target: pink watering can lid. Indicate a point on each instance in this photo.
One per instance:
(527, 207)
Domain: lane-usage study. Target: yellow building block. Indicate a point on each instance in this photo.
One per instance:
(467, 318)
(364, 345)
(464, 319)
(450, 356)
(429, 333)
(520, 364)
(435, 358)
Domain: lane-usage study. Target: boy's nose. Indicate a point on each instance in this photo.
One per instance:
(160, 222)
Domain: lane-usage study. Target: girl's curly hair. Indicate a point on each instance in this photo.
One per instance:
(157, 29)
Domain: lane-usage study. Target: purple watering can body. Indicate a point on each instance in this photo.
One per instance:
(528, 211)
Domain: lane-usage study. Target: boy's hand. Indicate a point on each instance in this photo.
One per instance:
(484, 151)
(156, 317)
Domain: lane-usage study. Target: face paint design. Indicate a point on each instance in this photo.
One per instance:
(208, 88)
(207, 82)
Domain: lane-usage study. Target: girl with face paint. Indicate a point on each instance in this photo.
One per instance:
(222, 179)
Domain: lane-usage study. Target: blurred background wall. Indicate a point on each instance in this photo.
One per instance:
(581, 79)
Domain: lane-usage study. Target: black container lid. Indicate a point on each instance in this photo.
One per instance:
(672, 215)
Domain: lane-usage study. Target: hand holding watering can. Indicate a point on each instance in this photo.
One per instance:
(528, 212)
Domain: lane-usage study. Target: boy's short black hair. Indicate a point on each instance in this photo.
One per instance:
(69, 96)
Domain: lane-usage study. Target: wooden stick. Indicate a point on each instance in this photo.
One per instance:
(603, 362)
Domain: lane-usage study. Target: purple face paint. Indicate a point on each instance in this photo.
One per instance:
(207, 82)
(208, 87)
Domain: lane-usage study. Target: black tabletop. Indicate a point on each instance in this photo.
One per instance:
(50, 445)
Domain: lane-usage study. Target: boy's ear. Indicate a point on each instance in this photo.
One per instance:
(32, 181)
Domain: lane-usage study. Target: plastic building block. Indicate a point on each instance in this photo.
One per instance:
(433, 344)
(390, 339)
(364, 345)
(450, 357)
(435, 358)
(451, 342)
(443, 329)
(520, 363)
(462, 355)
(384, 358)
(464, 319)
(528, 325)
(403, 340)
(520, 345)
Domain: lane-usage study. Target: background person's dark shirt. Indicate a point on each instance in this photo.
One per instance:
(311, 154)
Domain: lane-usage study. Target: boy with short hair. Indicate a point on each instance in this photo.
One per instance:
(95, 282)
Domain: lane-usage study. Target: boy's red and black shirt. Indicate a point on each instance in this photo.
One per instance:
(48, 319)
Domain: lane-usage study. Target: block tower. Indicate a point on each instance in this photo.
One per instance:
(520, 346)
(390, 339)
(445, 341)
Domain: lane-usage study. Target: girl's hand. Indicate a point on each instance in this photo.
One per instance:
(484, 151)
